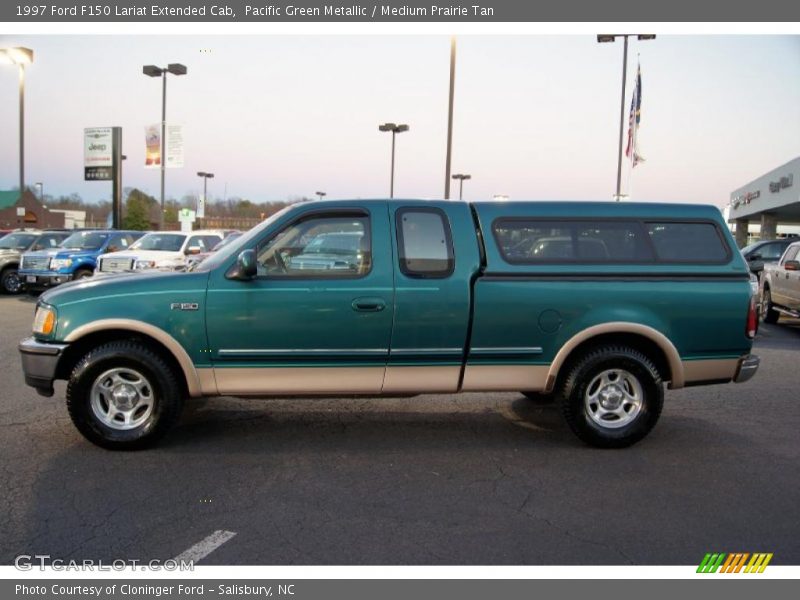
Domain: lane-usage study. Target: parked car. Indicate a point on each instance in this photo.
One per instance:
(14, 245)
(765, 252)
(435, 302)
(166, 250)
(780, 286)
(76, 258)
(326, 251)
(195, 259)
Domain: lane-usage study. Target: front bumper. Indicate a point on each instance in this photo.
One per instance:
(35, 281)
(39, 363)
(748, 365)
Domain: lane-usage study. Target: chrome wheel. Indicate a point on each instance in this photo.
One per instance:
(122, 398)
(614, 398)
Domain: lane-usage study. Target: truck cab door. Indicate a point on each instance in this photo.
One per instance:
(317, 318)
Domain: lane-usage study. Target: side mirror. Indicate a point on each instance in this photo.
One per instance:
(193, 250)
(245, 268)
(792, 265)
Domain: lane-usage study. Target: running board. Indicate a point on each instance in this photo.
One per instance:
(788, 312)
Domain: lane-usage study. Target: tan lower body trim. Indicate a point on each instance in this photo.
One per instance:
(709, 370)
(208, 383)
(299, 380)
(428, 380)
(500, 378)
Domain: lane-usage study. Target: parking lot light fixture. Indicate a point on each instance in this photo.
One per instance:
(461, 177)
(395, 129)
(321, 195)
(206, 177)
(19, 57)
(154, 71)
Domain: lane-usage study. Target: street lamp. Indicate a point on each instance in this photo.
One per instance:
(206, 177)
(321, 195)
(19, 57)
(461, 177)
(395, 129)
(154, 71)
(610, 37)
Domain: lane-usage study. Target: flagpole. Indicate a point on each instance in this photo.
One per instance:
(622, 116)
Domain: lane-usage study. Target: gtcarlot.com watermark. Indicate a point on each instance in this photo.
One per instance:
(42, 562)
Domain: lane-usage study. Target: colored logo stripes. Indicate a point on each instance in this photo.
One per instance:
(735, 562)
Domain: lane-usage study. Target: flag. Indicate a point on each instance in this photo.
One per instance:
(632, 150)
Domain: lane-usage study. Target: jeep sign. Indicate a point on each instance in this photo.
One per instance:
(98, 156)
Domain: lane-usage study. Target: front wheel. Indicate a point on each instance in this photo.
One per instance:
(612, 397)
(82, 274)
(10, 281)
(123, 396)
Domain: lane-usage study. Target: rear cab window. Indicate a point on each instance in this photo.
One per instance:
(425, 243)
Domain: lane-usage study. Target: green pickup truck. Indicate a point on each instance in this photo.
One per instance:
(594, 305)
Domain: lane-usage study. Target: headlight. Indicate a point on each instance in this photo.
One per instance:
(44, 322)
(144, 264)
(60, 263)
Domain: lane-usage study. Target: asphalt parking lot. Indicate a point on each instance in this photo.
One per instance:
(470, 479)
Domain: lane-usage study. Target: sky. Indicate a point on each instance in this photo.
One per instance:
(536, 116)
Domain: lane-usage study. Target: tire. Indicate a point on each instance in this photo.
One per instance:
(82, 274)
(144, 387)
(10, 282)
(768, 312)
(634, 396)
(539, 397)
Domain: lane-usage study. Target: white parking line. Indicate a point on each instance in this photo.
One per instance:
(205, 547)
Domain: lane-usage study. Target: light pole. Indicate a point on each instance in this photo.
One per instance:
(461, 177)
(395, 129)
(610, 37)
(206, 177)
(19, 57)
(449, 153)
(154, 71)
(321, 195)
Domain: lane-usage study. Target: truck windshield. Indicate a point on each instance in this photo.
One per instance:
(85, 240)
(160, 241)
(17, 241)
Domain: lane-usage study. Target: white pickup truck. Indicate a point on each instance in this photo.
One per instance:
(780, 286)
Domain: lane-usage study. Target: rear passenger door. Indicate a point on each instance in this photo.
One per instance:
(435, 255)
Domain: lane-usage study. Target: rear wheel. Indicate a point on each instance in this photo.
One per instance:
(768, 312)
(612, 397)
(10, 282)
(123, 396)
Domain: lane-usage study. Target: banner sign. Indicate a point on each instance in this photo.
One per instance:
(98, 155)
(174, 146)
(152, 150)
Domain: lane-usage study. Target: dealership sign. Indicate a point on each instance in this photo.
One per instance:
(98, 154)
(782, 183)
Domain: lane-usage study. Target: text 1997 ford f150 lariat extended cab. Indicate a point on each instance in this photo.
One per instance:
(596, 305)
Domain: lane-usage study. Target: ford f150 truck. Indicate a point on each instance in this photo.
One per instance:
(596, 305)
(76, 258)
(780, 286)
(13, 245)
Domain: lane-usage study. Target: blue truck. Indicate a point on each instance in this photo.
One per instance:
(76, 258)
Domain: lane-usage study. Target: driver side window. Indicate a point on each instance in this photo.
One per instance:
(329, 246)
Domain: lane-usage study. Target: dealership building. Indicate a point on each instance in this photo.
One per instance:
(771, 201)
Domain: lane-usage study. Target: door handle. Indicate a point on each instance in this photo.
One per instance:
(368, 304)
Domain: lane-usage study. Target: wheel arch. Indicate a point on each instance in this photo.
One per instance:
(650, 341)
(97, 332)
